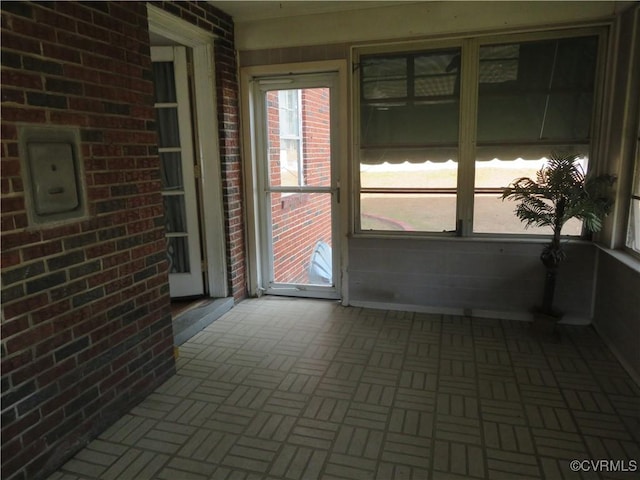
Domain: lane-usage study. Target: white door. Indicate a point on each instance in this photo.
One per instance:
(173, 114)
(298, 182)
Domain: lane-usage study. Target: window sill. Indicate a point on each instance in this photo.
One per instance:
(623, 257)
(483, 237)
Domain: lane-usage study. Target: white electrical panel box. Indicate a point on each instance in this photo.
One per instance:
(53, 177)
(53, 173)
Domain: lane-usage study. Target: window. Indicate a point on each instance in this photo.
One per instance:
(633, 227)
(533, 97)
(443, 131)
(410, 107)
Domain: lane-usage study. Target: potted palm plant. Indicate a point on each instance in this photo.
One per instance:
(561, 191)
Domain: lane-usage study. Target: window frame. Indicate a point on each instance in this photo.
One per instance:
(465, 189)
(633, 184)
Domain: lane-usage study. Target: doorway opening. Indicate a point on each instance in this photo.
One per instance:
(186, 108)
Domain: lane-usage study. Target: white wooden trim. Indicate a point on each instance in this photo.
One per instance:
(249, 75)
(211, 174)
(205, 109)
(191, 283)
(467, 137)
(176, 29)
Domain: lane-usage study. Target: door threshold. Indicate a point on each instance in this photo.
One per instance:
(191, 318)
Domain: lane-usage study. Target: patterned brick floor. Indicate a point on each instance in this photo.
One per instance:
(304, 389)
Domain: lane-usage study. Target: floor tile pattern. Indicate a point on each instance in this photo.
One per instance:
(307, 389)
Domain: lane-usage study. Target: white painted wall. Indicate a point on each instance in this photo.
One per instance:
(500, 279)
(417, 19)
(617, 308)
(617, 297)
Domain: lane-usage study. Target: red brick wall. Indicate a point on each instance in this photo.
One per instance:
(301, 220)
(86, 325)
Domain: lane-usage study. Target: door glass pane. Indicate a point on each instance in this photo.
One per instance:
(178, 254)
(636, 176)
(174, 101)
(171, 170)
(289, 112)
(633, 229)
(299, 143)
(164, 82)
(175, 214)
(302, 238)
(168, 127)
(410, 212)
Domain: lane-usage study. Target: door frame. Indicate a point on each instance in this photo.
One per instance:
(188, 283)
(205, 110)
(250, 142)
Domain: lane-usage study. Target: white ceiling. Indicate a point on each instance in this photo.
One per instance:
(248, 10)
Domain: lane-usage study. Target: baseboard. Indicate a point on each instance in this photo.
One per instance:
(466, 312)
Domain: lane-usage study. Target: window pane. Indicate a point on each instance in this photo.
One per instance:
(537, 91)
(178, 254)
(299, 128)
(497, 167)
(384, 77)
(436, 74)
(288, 112)
(168, 129)
(633, 231)
(492, 215)
(289, 163)
(175, 214)
(499, 64)
(171, 170)
(400, 169)
(408, 212)
(411, 99)
(302, 238)
(633, 227)
(316, 139)
(636, 177)
(164, 82)
(530, 95)
(400, 125)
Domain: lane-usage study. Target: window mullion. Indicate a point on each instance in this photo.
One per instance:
(467, 135)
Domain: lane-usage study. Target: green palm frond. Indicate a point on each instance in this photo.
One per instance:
(535, 212)
(561, 191)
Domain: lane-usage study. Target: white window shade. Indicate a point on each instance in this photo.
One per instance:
(409, 100)
(537, 93)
